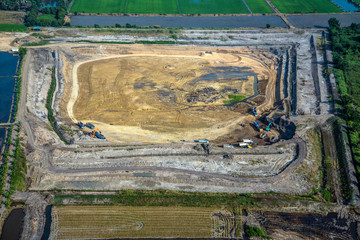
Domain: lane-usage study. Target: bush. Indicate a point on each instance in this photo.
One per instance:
(251, 231)
(326, 195)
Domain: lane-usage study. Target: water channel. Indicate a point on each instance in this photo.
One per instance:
(8, 68)
(245, 21)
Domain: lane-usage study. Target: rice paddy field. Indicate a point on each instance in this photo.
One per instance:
(202, 6)
(84, 222)
(13, 28)
(305, 6)
(259, 6)
(159, 6)
(211, 7)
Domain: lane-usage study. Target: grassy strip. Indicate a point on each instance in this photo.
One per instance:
(3, 171)
(154, 42)
(328, 190)
(346, 189)
(234, 98)
(109, 42)
(251, 231)
(49, 100)
(33, 44)
(160, 198)
(13, 28)
(17, 180)
(22, 52)
(137, 41)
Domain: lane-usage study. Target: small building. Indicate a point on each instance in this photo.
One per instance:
(37, 28)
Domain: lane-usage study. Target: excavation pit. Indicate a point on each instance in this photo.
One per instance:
(169, 98)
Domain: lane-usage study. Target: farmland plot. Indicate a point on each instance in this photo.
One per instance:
(99, 6)
(259, 6)
(83, 222)
(305, 6)
(211, 6)
(152, 6)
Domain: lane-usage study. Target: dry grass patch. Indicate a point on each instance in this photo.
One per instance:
(82, 222)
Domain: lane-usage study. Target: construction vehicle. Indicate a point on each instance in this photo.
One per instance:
(80, 125)
(89, 125)
(97, 133)
(263, 135)
(228, 146)
(268, 127)
(245, 145)
(255, 111)
(257, 126)
(202, 141)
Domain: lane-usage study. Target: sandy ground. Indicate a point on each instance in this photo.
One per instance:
(145, 97)
(7, 39)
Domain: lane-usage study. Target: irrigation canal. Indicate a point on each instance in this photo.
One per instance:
(243, 21)
(9, 64)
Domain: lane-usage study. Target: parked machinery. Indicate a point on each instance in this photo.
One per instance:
(90, 125)
(80, 125)
(97, 133)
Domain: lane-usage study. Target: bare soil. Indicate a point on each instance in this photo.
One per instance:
(167, 98)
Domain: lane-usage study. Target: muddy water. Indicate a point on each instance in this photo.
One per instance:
(13, 225)
(231, 73)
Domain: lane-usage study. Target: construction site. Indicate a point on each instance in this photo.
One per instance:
(196, 118)
(186, 117)
(202, 115)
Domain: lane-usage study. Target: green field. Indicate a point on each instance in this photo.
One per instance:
(305, 6)
(202, 6)
(152, 6)
(211, 6)
(160, 6)
(49, 17)
(12, 28)
(99, 6)
(259, 6)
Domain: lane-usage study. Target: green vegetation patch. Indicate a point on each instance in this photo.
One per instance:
(251, 231)
(305, 6)
(13, 28)
(259, 6)
(159, 198)
(211, 6)
(18, 172)
(99, 6)
(49, 17)
(163, 6)
(234, 98)
(152, 6)
(345, 43)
